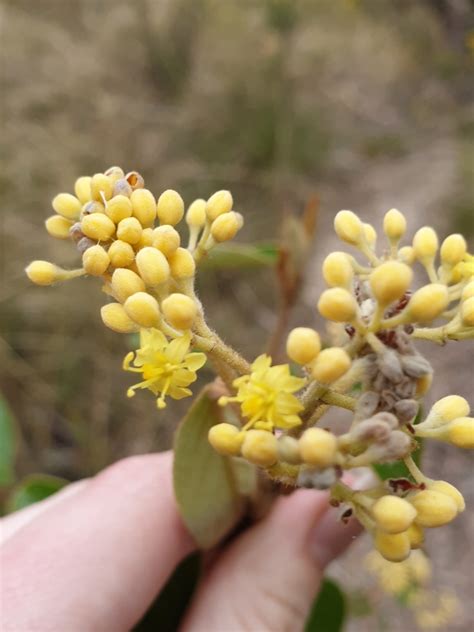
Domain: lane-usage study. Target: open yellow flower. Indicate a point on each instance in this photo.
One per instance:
(167, 366)
(266, 396)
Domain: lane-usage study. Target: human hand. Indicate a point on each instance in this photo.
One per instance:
(94, 556)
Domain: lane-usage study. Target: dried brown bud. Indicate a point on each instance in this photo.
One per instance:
(317, 479)
(416, 365)
(389, 365)
(367, 404)
(406, 410)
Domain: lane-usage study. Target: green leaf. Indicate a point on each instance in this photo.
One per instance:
(329, 609)
(205, 483)
(34, 488)
(8, 444)
(234, 255)
(167, 610)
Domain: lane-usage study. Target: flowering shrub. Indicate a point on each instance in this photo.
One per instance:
(267, 416)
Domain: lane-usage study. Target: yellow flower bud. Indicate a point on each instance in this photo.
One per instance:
(337, 270)
(144, 206)
(337, 304)
(95, 260)
(146, 239)
(433, 508)
(219, 203)
(461, 432)
(260, 447)
(447, 409)
(67, 205)
(182, 264)
(152, 265)
(303, 345)
(226, 439)
(394, 225)
(389, 281)
(43, 272)
(393, 547)
(196, 214)
(226, 226)
(101, 187)
(425, 244)
(407, 255)
(318, 447)
(170, 208)
(121, 254)
(118, 208)
(330, 365)
(82, 189)
(115, 173)
(289, 450)
(129, 230)
(125, 283)
(370, 234)
(179, 310)
(167, 239)
(348, 227)
(58, 226)
(416, 535)
(467, 312)
(443, 487)
(115, 317)
(393, 514)
(468, 291)
(143, 309)
(98, 227)
(453, 250)
(423, 384)
(428, 302)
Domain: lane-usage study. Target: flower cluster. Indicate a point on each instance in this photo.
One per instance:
(129, 239)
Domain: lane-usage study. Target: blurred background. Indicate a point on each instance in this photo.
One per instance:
(292, 105)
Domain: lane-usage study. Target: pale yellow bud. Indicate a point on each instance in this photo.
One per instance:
(226, 226)
(330, 365)
(115, 173)
(389, 281)
(82, 189)
(260, 447)
(67, 205)
(348, 227)
(446, 488)
(179, 310)
(92, 207)
(453, 250)
(115, 317)
(43, 272)
(144, 206)
(467, 312)
(196, 214)
(407, 255)
(121, 254)
(152, 265)
(468, 291)
(95, 260)
(125, 283)
(58, 226)
(433, 508)
(393, 514)
(461, 432)
(226, 439)
(423, 384)
(303, 345)
(337, 270)
(146, 239)
(167, 239)
(394, 225)
(393, 547)
(98, 227)
(428, 302)
(318, 447)
(416, 535)
(289, 450)
(425, 244)
(101, 187)
(170, 207)
(370, 234)
(447, 409)
(129, 230)
(143, 309)
(219, 203)
(337, 304)
(118, 208)
(182, 264)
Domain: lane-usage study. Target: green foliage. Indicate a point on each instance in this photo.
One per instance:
(235, 255)
(329, 609)
(8, 440)
(398, 469)
(33, 489)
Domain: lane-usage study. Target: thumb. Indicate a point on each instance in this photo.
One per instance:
(268, 578)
